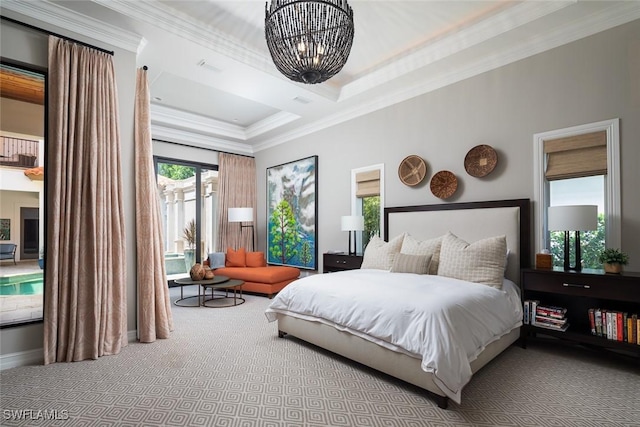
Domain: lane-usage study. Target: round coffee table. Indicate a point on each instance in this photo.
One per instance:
(187, 281)
(231, 296)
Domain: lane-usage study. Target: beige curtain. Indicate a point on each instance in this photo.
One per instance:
(236, 189)
(85, 282)
(154, 305)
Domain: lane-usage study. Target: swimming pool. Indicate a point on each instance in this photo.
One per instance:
(22, 284)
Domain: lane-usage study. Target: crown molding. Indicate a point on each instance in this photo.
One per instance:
(62, 17)
(572, 31)
(167, 116)
(270, 123)
(503, 22)
(193, 139)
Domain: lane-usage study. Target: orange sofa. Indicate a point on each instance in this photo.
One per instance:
(252, 268)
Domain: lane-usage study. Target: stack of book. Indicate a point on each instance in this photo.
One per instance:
(545, 316)
(615, 325)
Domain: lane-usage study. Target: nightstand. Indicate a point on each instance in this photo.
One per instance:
(578, 292)
(339, 262)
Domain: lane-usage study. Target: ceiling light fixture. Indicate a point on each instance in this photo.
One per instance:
(309, 40)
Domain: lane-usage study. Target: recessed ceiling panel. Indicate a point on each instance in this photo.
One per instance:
(189, 96)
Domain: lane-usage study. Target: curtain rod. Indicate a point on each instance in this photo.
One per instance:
(51, 33)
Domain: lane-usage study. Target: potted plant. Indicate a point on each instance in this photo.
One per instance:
(189, 234)
(613, 260)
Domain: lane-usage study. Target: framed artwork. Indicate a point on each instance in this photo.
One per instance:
(5, 229)
(292, 214)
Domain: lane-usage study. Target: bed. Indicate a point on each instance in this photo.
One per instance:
(409, 359)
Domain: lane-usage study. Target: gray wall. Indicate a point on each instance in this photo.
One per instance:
(31, 48)
(590, 80)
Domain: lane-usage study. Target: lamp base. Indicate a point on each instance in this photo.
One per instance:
(567, 263)
(355, 245)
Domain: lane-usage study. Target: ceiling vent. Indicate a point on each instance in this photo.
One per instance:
(302, 100)
(208, 66)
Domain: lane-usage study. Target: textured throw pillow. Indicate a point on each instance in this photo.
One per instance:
(236, 258)
(216, 260)
(480, 262)
(431, 247)
(380, 254)
(417, 264)
(256, 259)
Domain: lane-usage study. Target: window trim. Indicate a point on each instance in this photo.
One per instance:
(354, 188)
(613, 233)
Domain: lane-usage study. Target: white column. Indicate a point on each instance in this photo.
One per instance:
(170, 226)
(179, 224)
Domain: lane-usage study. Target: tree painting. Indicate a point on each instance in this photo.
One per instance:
(292, 213)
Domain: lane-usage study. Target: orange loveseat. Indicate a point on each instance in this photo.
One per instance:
(252, 268)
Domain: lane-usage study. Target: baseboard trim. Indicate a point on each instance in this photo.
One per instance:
(36, 356)
(22, 358)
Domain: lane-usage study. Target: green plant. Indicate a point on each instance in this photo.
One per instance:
(190, 234)
(613, 256)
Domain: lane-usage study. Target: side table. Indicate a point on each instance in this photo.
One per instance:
(187, 281)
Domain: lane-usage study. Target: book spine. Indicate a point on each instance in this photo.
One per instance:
(625, 327)
(525, 310)
(634, 322)
(609, 326)
(598, 316)
(638, 331)
(534, 306)
(619, 327)
(592, 321)
(629, 326)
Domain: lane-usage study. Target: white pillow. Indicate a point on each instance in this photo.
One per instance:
(416, 264)
(430, 247)
(480, 262)
(379, 254)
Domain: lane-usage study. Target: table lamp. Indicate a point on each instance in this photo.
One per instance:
(572, 218)
(352, 223)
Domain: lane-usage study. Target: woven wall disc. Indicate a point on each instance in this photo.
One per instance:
(412, 170)
(480, 160)
(444, 184)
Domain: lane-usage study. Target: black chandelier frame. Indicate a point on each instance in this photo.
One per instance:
(309, 40)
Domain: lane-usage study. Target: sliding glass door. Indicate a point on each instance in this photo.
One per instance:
(188, 201)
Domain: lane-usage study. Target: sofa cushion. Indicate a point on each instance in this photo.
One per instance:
(216, 260)
(256, 259)
(236, 258)
(269, 274)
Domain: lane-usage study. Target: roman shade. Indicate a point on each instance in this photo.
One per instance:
(368, 183)
(576, 156)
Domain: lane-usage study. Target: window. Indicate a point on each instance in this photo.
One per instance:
(188, 204)
(367, 199)
(579, 165)
(22, 191)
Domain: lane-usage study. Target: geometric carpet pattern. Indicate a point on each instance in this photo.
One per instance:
(227, 367)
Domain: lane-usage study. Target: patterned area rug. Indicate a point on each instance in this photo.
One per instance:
(227, 367)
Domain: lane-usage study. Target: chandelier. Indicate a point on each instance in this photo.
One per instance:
(309, 40)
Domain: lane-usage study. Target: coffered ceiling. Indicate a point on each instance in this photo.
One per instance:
(213, 83)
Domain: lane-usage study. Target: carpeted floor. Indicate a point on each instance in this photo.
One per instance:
(227, 367)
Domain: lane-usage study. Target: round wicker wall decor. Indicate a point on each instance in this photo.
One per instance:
(412, 170)
(444, 184)
(480, 160)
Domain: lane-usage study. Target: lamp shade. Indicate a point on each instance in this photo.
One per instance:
(573, 218)
(352, 223)
(240, 214)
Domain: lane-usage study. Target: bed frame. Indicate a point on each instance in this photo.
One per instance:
(469, 221)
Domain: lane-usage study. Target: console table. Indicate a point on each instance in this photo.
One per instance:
(578, 291)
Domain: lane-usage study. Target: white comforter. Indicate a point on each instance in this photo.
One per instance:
(445, 322)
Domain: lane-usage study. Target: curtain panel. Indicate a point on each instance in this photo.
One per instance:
(85, 275)
(236, 189)
(154, 304)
